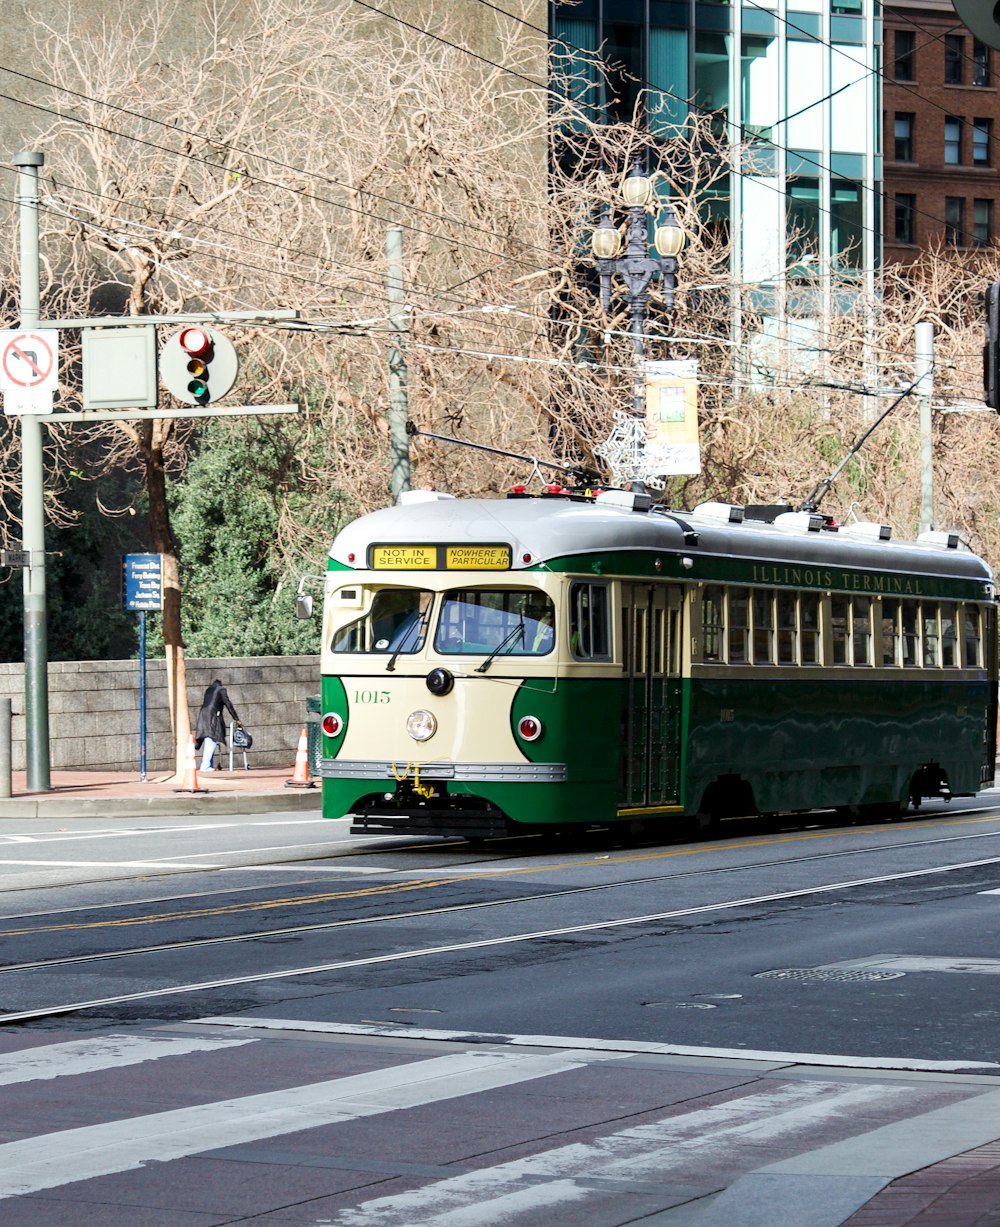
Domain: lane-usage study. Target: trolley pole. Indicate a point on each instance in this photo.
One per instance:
(36, 680)
(399, 440)
(924, 376)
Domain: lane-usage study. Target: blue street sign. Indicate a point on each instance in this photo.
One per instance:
(142, 581)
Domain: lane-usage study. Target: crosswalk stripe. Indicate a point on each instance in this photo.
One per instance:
(534, 1186)
(54, 1159)
(106, 1052)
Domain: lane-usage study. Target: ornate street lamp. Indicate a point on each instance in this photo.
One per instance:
(637, 267)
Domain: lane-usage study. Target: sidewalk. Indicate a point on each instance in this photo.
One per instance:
(121, 794)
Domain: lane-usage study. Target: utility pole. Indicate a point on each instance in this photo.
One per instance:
(923, 371)
(36, 664)
(399, 440)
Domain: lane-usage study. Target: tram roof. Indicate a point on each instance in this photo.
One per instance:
(550, 528)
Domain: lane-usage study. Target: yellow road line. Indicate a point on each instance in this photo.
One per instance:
(406, 887)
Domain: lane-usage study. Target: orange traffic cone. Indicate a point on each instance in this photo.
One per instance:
(300, 772)
(190, 771)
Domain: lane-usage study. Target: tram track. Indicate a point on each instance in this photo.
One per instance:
(560, 933)
(424, 913)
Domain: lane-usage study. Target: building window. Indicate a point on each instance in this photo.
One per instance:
(980, 63)
(905, 44)
(903, 133)
(952, 141)
(954, 221)
(982, 133)
(906, 204)
(954, 58)
(982, 222)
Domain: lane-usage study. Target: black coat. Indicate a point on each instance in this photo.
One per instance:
(210, 722)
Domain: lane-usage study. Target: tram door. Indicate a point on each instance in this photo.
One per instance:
(649, 770)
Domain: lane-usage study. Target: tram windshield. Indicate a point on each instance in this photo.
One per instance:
(518, 622)
(397, 622)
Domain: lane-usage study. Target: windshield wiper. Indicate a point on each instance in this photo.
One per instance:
(408, 637)
(506, 641)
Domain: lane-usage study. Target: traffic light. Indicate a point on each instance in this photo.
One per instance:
(198, 365)
(991, 350)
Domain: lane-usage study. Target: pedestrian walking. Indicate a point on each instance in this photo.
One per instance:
(210, 730)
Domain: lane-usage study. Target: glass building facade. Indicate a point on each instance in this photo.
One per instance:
(795, 87)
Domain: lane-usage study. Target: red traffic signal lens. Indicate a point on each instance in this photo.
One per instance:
(196, 342)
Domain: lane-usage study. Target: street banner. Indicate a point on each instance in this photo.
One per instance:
(672, 445)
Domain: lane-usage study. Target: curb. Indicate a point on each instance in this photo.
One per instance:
(179, 805)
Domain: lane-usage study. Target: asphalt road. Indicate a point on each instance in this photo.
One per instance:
(810, 987)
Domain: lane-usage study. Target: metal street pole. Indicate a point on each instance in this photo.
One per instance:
(637, 267)
(923, 371)
(36, 680)
(399, 440)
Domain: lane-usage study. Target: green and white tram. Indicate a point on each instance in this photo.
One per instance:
(548, 662)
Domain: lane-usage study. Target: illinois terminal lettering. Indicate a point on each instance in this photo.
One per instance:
(852, 581)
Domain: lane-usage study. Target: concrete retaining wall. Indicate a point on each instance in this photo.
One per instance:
(94, 709)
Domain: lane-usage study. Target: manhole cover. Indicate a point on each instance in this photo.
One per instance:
(829, 975)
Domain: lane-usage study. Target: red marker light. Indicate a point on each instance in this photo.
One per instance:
(333, 725)
(530, 728)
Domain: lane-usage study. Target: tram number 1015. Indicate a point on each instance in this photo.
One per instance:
(372, 696)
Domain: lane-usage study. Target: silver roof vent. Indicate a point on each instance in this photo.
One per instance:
(799, 522)
(627, 500)
(867, 530)
(940, 539)
(723, 513)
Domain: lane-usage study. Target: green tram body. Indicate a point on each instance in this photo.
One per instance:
(698, 666)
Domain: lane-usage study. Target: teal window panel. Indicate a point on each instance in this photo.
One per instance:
(847, 30)
(756, 21)
(668, 70)
(580, 81)
(668, 13)
(803, 162)
(847, 165)
(803, 25)
(713, 17)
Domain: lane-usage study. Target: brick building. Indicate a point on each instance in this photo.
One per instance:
(941, 121)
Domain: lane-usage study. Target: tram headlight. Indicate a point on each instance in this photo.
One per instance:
(421, 725)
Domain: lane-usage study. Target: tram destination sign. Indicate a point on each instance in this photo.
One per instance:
(485, 557)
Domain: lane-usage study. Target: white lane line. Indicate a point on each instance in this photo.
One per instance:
(54, 1159)
(33, 864)
(586, 1044)
(421, 952)
(683, 1145)
(60, 837)
(106, 1052)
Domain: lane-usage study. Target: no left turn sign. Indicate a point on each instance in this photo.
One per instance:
(29, 361)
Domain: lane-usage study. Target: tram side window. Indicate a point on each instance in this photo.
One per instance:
(711, 623)
(971, 637)
(861, 629)
(909, 639)
(930, 638)
(763, 627)
(738, 626)
(840, 609)
(809, 627)
(787, 628)
(590, 621)
(949, 636)
(890, 632)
